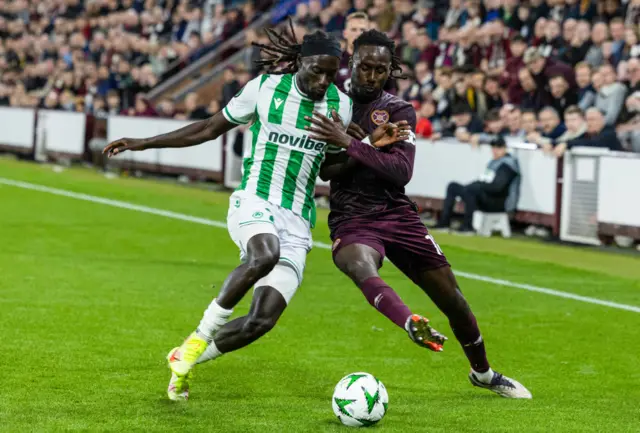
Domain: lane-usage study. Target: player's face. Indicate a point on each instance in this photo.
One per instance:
(370, 71)
(316, 74)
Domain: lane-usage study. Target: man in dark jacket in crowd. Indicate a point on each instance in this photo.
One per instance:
(599, 134)
(543, 69)
(465, 123)
(563, 97)
(496, 191)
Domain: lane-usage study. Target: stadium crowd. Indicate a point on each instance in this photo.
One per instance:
(558, 73)
(102, 56)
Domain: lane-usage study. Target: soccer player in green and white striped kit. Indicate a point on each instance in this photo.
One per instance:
(272, 212)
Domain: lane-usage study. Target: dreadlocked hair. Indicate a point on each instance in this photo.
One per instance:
(379, 39)
(284, 48)
(284, 51)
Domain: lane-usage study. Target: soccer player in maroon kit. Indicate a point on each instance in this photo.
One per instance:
(371, 217)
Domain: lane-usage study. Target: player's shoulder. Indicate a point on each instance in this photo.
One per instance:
(394, 103)
(396, 108)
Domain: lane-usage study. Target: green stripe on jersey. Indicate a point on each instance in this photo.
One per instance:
(333, 100)
(309, 207)
(266, 170)
(262, 80)
(279, 99)
(293, 169)
(306, 109)
(247, 163)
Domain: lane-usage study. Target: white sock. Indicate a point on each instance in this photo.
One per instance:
(484, 377)
(214, 318)
(212, 352)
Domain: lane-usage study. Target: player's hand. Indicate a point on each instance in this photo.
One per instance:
(331, 131)
(355, 131)
(119, 146)
(390, 133)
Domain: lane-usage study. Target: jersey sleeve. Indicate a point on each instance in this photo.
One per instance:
(242, 107)
(395, 165)
(346, 114)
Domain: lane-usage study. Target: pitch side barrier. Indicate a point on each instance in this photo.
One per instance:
(585, 197)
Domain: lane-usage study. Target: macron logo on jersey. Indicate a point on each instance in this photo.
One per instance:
(278, 102)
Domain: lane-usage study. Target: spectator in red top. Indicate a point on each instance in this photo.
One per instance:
(424, 128)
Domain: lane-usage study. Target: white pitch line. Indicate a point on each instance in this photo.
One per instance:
(220, 224)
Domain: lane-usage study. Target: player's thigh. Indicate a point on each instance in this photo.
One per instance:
(413, 249)
(251, 226)
(358, 249)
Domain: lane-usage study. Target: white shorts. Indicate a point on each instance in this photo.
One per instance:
(250, 215)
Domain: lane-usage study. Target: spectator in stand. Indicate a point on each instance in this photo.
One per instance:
(193, 110)
(631, 48)
(444, 93)
(514, 123)
(494, 127)
(586, 93)
(629, 129)
(616, 29)
(496, 191)
(529, 121)
(576, 128)
(599, 35)
(424, 128)
(542, 69)
(577, 47)
(611, 96)
(551, 127)
(533, 97)
(464, 123)
(474, 92)
(598, 134)
(509, 78)
(562, 96)
(356, 24)
(492, 92)
(552, 43)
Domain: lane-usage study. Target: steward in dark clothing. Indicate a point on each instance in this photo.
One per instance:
(496, 191)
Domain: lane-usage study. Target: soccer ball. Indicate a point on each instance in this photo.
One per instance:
(359, 400)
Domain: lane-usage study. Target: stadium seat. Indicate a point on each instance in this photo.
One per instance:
(485, 223)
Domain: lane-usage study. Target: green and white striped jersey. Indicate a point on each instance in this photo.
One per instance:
(283, 163)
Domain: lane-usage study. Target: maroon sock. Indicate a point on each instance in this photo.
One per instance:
(466, 330)
(385, 300)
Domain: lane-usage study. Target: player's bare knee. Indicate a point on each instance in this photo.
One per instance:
(258, 325)
(360, 270)
(264, 263)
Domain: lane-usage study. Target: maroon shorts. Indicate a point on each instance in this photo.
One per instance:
(398, 235)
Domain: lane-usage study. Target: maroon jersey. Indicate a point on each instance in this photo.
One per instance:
(375, 186)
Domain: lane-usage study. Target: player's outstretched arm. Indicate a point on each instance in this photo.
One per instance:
(190, 135)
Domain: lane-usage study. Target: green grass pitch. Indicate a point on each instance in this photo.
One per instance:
(92, 297)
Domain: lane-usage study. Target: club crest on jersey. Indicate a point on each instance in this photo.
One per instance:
(380, 117)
